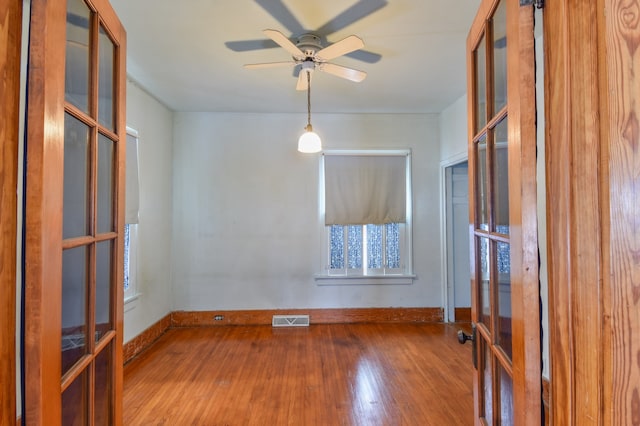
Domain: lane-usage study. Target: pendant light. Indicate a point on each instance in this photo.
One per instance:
(309, 141)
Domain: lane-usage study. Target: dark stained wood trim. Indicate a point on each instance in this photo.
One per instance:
(545, 400)
(145, 339)
(10, 43)
(316, 316)
(463, 314)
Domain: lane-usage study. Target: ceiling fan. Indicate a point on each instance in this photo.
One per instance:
(312, 50)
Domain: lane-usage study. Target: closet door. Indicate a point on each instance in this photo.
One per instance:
(74, 214)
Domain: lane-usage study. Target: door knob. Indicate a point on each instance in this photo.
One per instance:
(463, 337)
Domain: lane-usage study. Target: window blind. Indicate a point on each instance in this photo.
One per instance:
(132, 199)
(365, 189)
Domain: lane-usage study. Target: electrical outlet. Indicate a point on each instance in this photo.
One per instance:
(218, 317)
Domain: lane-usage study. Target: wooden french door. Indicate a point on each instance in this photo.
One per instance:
(74, 214)
(502, 205)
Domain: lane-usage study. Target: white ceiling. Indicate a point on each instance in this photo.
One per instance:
(176, 50)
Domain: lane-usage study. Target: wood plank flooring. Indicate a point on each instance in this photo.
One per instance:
(338, 374)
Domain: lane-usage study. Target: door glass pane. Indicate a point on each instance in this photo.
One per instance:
(104, 274)
(484, 281)
(500, 56)
(76, 178)
(504, 297)
(74, 302)
(106, 148)
(481, 85)
(487, 382)
(482, 197)
(77, 55)
(74, 402)
(506, 397)
(105, 77)
(103, 374)
(354, 246)
(501, 178)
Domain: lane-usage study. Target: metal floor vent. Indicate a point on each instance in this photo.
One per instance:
(290, 321)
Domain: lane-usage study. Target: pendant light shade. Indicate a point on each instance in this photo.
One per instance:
(309, 142)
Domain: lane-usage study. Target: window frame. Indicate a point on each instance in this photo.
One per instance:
(131, 264)
(348, 276)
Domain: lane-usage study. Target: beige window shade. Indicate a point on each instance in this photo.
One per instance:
(132, 199)
(365, 189)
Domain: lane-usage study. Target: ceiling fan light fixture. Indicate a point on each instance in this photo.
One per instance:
(309, 142)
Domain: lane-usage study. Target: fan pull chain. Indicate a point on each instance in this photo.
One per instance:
(308, 98)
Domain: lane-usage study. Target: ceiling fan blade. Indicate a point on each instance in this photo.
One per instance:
(285, 43)
(302, 80)
(344, 72)
(269, 65)
(356, 12)
(282, 14)
(342, 47)
(246, 45)
(365, 56)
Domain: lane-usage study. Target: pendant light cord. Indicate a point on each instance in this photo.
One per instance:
(308, 98)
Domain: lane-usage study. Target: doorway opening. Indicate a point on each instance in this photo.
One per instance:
(458, 280)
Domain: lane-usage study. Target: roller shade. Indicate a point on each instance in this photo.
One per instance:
(132, 199)
(365, 189)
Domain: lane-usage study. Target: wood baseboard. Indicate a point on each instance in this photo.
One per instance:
(143, 340)
(545, 400)
(263, 317)
(316, 316)
(463, 314)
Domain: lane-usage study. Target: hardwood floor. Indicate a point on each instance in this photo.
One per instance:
(338, 374)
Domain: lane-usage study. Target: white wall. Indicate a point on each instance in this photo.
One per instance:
(453, 128)
(154, 123)
(245, 210)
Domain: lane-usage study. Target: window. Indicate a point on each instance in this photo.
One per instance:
(131, 217)
(366, 215)
(130, 261)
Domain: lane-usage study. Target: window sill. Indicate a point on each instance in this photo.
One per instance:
(365, 279)
(132, 298)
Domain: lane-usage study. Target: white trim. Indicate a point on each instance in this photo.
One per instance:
(328, 280)
(444, 164)
(132, 132)
(132, 298)
(406, 240)
(386, 152)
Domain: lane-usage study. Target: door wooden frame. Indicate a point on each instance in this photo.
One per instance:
(44, 208)
(10, 47)
(525, 286)
(592, 96)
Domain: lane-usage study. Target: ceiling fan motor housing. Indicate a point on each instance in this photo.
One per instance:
(309, 44)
